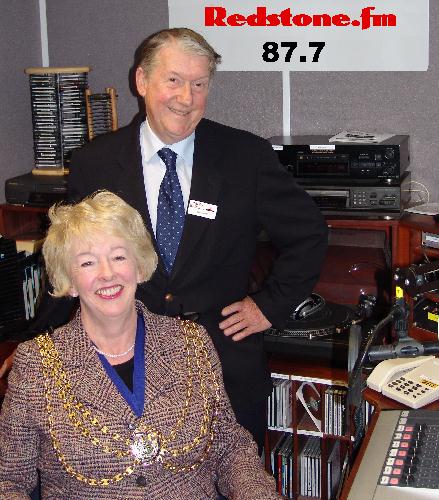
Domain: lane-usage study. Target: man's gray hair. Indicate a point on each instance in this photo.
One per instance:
(188, 39)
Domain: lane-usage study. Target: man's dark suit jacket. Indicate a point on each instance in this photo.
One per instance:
(240, 173)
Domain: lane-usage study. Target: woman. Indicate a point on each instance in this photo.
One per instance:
(120, 403)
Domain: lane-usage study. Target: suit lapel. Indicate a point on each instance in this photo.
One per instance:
(205, 187)
(131, 181)
(159, 379)
(132, 185)
(90, 382)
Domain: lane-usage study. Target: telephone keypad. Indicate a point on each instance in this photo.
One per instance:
(408, 387)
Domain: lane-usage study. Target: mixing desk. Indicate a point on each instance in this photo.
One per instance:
(402, 458)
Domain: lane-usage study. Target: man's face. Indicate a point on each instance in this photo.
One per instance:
(175, 92)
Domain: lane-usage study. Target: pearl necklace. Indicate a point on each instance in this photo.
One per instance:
(114, 355)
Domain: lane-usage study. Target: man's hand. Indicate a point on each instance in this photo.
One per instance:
(244, 319)
(7, 365)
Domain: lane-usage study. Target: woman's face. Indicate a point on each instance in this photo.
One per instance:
(104, 274)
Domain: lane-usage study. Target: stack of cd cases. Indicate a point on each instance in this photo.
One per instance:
(101, 112)
(59, 115)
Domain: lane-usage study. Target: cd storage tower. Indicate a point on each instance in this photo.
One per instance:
(58, 116)
(101, 112)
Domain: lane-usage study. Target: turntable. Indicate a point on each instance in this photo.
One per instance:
(315, 317)
(318, 329)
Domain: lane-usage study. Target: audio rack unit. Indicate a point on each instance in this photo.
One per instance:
(350, 179)
(313, 159)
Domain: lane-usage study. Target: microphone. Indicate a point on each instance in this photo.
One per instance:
(406, 346)
(409, 348)
(405, 349)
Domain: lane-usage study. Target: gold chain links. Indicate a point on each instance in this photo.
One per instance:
(197, 362)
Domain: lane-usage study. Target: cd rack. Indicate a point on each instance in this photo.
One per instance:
(59, 116)
(101, 112)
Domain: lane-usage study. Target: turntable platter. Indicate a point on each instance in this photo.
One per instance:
(330, 319)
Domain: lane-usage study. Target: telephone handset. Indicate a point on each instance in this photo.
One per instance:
(413, 382)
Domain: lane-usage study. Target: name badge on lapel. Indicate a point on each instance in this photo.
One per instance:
(202, 209)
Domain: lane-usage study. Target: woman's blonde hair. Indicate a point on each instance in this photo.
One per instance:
(102, 212)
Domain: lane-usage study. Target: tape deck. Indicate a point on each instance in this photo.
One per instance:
(312, 158)
(362, 200)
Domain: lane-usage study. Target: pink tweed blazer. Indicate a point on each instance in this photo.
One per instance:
(26, 445)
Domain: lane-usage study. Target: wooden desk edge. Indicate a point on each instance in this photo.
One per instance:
(352, 473)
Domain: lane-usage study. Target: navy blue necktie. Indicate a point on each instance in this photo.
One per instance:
(170, 210)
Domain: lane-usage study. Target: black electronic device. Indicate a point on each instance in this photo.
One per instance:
(316, 318)
(363, 201)
(418, 278)
(324, 336)
(415, 280)
(313, 159)
(426, 312)
(318, 329)
(400, 461)
(36, 190)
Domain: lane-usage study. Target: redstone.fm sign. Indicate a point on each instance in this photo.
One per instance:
(311, 35)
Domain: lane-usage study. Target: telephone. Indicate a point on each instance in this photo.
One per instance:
(413, 382)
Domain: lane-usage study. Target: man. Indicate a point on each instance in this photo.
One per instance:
(230, 186)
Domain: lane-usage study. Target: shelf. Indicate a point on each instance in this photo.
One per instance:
(304, 432)
(300, 370)
(420, 252)
(17, 221)
(419, 222)
(280, 429)
(306, 445)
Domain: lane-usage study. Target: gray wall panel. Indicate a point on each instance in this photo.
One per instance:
(247, 100)
(103, 35)
(19, 49)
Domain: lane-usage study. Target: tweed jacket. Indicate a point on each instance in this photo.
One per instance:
(232, 463)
